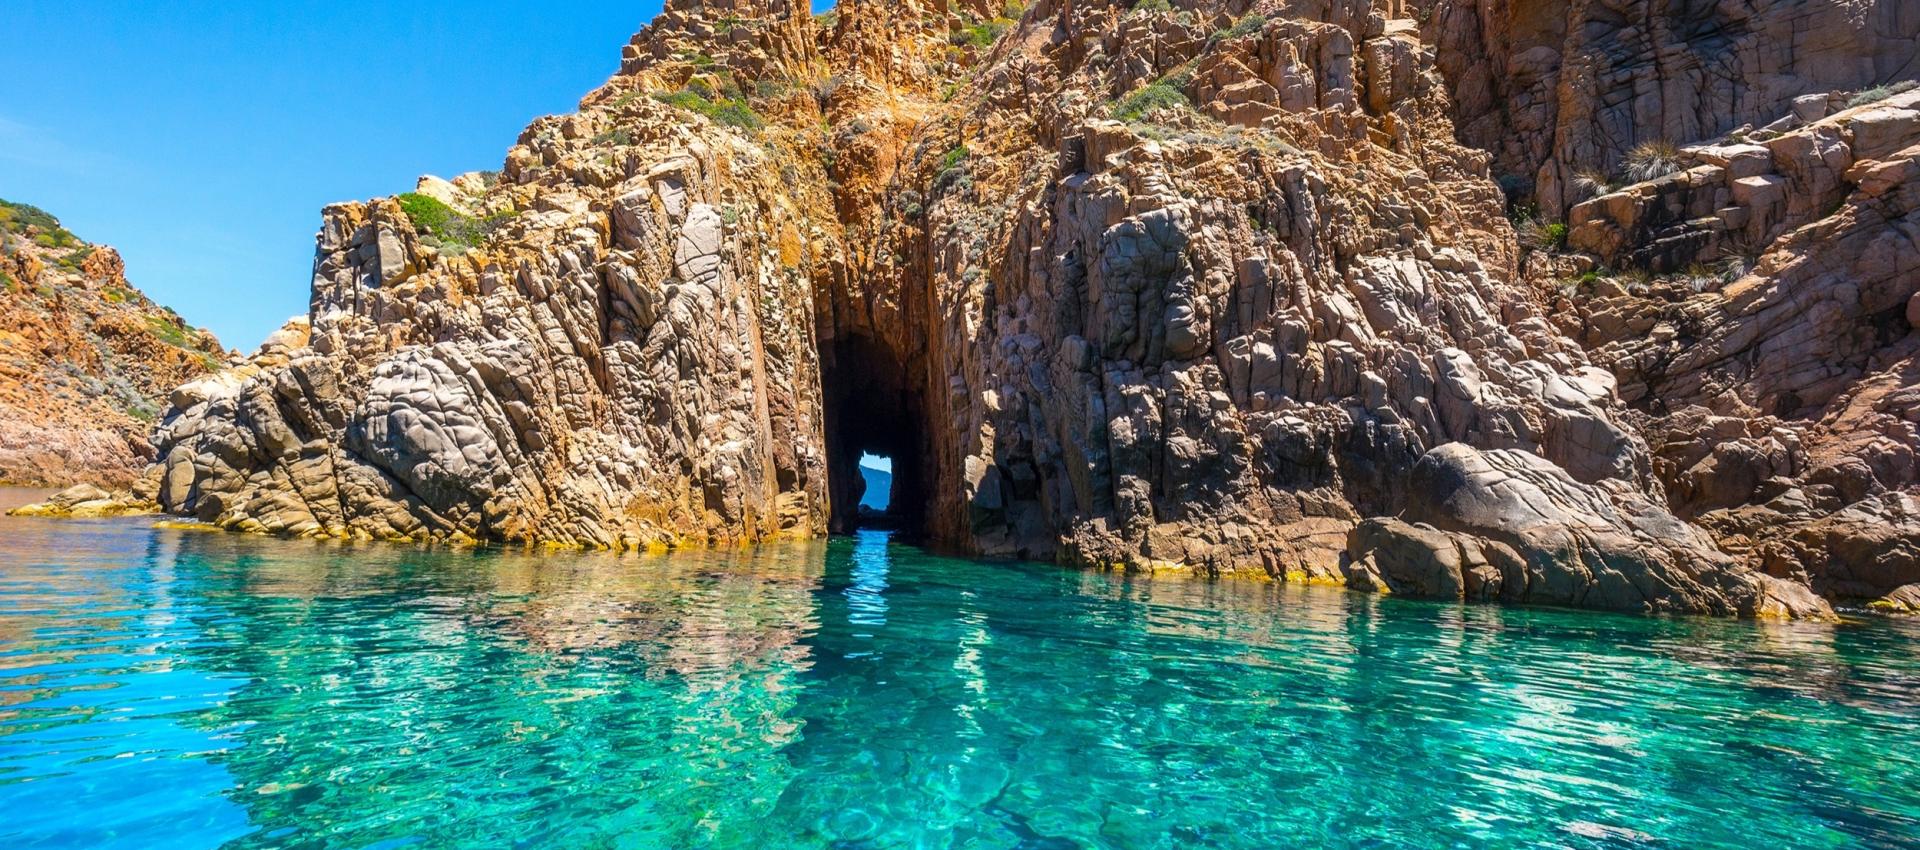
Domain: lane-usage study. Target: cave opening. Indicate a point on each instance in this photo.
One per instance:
(872, 421)
(876, 471)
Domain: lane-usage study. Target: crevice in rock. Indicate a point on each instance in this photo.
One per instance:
(874, 407)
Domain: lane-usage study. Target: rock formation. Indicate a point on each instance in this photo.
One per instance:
(1558, 90)
(1508, 525)
(86, 360)
(1770, 340)
(1228, 286)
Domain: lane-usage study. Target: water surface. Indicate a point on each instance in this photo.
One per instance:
(176, 689)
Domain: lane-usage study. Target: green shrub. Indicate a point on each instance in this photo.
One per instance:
(1536, 235)
(954, 157)
(1152, 6)
(38, 224)
(1540, 236)
(6, 281)
(1247, 25)
(75, 259)
(615, 136)
(772, 87)
(168, 330)
(444, 227)
(428, 214)
(1154, 97)
(910, 205)
(953, 166)
(1869, 96)
(982, 34)
(729, 110)
(1521, 214)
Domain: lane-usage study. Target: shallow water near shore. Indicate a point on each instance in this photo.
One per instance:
(177, 689)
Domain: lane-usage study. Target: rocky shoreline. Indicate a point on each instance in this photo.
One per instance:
(1230, 287)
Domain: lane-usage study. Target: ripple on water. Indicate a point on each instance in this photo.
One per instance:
(166, 689)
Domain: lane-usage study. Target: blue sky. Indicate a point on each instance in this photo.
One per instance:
(202, 138)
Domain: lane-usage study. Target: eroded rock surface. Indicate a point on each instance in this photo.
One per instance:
(84, 501)
(86, 359)
(1775, 362)
(1506, 525)
(1559, 89)
(1218, 287)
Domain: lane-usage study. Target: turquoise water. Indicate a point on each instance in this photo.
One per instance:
(169, 689)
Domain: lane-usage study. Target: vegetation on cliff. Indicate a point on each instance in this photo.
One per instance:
(86, 360)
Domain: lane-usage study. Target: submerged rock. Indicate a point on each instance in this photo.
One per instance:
(87, 501)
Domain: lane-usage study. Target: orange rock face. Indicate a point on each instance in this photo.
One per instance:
(86, 360)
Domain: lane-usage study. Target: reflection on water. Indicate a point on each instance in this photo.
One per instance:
(866, 594)
(179, 689)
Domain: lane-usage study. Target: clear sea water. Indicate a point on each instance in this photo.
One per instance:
(177, 689)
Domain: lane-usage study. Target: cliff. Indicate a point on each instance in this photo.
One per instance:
(86, 360)
(1223, 286)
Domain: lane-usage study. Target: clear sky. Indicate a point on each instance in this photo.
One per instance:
(201, 138)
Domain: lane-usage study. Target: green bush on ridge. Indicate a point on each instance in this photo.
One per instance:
(168, 330)
(982, 34)
(445, 227)
(1245, 26)
(1156, 96)
(723, 107)
(36, 224)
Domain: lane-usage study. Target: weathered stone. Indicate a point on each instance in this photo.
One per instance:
(1556, 90)
(1595, 546)
(84, 501)
(86, 360)
(1164, 343)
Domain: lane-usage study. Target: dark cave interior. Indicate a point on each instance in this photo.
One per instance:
(872, 408)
